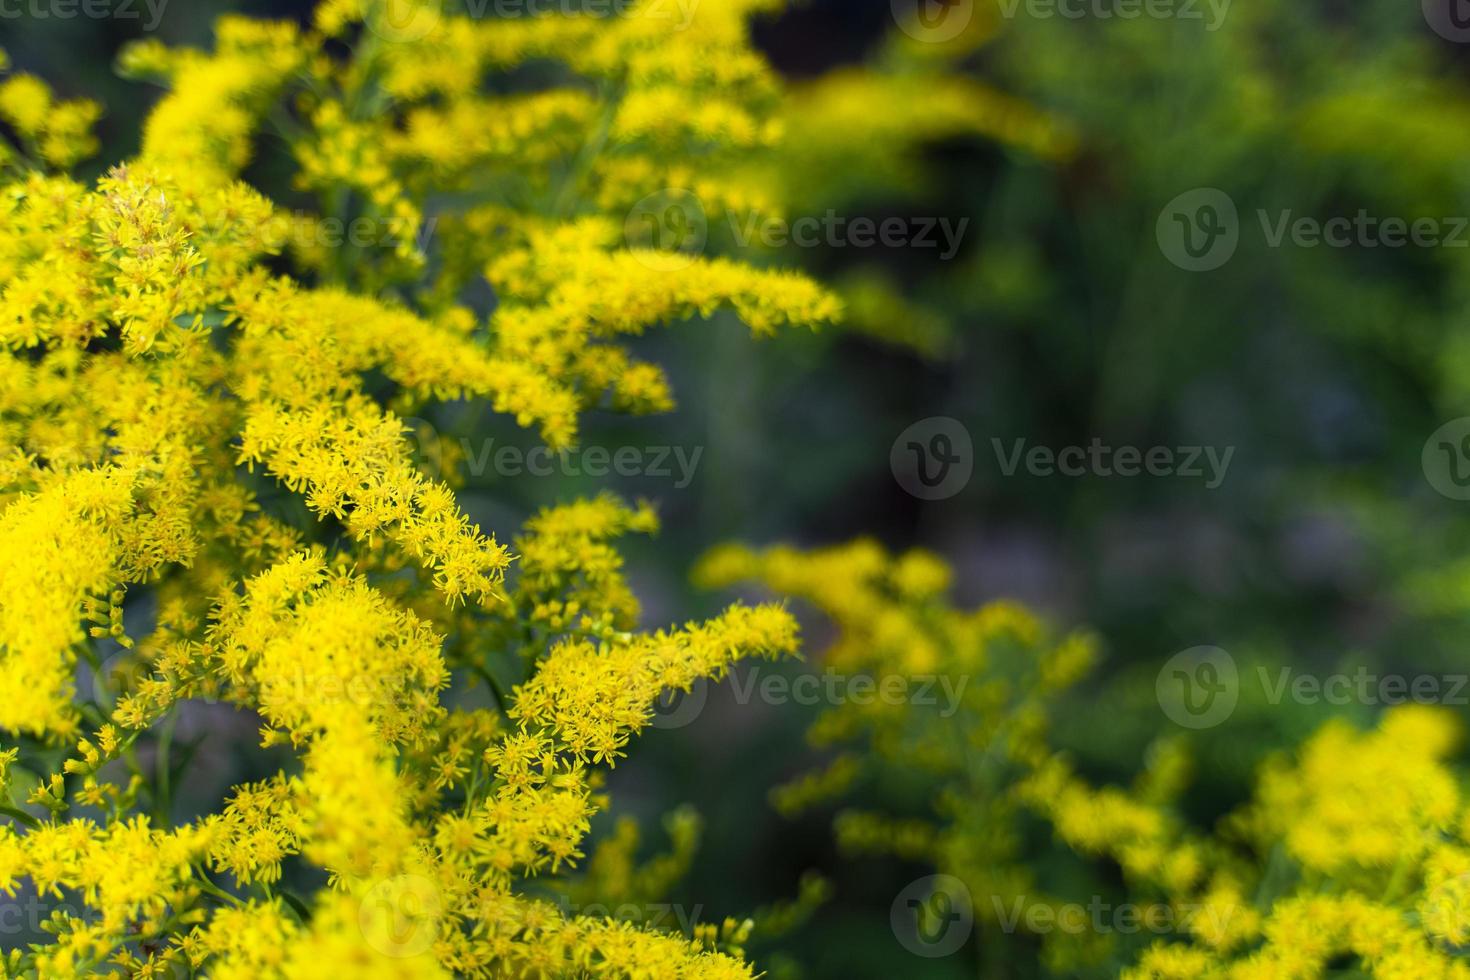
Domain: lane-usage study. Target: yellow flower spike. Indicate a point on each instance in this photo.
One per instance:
(159, 332)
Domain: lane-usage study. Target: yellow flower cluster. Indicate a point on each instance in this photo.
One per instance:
(52, 132)
(202, 130)
(570, 692)
(966, 684)
(205, 400)
(565, 291)
(1363, 844)
(1354, 853)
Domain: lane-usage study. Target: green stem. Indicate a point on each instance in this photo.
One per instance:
(495, 691)
(296, 905)
(163, 794)
(571, 184)
(19, 816)
(215, 891)
(1396, 880)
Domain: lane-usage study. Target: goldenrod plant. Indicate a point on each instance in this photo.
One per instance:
(1351, 855)
(284, 693)
(1354, 853)
(181, 351)
(957, 718)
